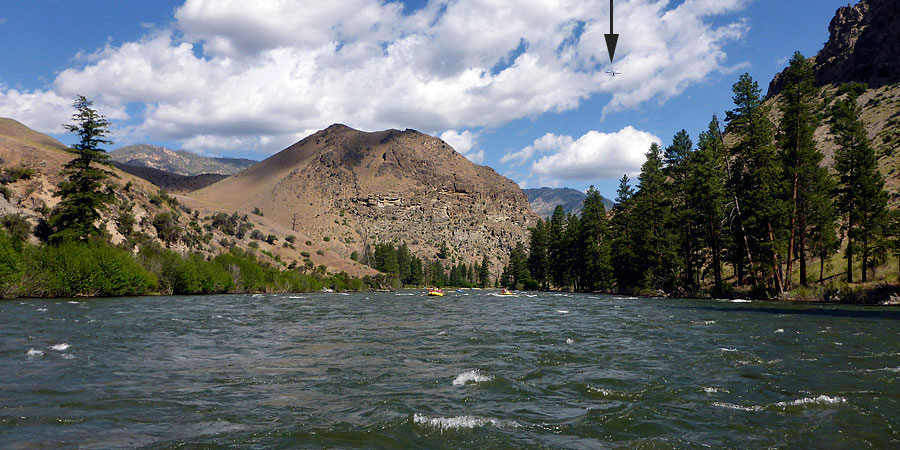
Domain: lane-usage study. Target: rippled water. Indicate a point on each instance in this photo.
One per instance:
(462, 371)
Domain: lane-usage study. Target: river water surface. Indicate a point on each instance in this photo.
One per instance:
(400, 370)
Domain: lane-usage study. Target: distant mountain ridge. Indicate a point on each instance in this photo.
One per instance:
(178, 162)
(544, 200)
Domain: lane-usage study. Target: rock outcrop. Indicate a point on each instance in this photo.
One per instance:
(864, 46)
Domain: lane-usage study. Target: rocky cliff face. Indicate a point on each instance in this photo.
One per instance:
(864, 46)
(355, 188)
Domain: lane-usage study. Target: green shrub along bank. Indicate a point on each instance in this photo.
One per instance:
(98, 269)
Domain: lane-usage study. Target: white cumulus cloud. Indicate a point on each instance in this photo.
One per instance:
(595, 155)
(465, 143)
(229, 74)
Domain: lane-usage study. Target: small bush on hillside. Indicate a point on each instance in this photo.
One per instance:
(257, 235)
(167, 228)
(258, 212)
(271, 239)
(13, 174)
(18, 227)
(291, 239)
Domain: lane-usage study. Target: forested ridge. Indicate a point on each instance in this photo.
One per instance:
(748, 209)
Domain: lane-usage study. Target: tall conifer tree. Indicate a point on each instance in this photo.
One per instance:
(81, 196)
(862, 199)
(801, 158)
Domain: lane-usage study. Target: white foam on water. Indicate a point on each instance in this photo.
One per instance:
(838, 343)
(453, 423)
(531, 296)
(820, 400)
(713, 390)
(740, 301)
(704, 322)
(296, 297)
(68, 356)
(729, 350)
(61, 347)
(41, 310)
(753, 408)
(570, 341)
(74, 303)
(780, 330)
(602, 391)
(562, 311)
(33, 353)
(344, 294)
(472, 376)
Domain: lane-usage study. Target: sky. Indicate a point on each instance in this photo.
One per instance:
(517, 85)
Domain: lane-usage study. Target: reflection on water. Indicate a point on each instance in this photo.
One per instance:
(469, 370)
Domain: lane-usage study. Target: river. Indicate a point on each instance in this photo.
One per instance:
(472, 370)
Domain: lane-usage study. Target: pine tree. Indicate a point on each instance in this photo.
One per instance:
(556, 252)
(678, 168)
(515, 274)
(653, 243)
(595, 245)
(538, 257)
(572, 257)
(81, 198)
(862, 199)
(800, 156)
(625, 192)
(757, 178)
(484, 273)
(893, 233)
(709, 193)
(403, 262)
(623, 226)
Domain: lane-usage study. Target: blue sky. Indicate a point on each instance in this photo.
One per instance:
(519, 85)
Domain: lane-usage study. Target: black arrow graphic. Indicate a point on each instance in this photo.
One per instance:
(611, 39)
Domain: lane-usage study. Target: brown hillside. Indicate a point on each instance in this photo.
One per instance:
(355, 188)
(21, 146)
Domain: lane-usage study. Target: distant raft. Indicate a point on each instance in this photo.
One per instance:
(435, 293)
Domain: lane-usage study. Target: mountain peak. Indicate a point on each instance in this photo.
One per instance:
(384, 186)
